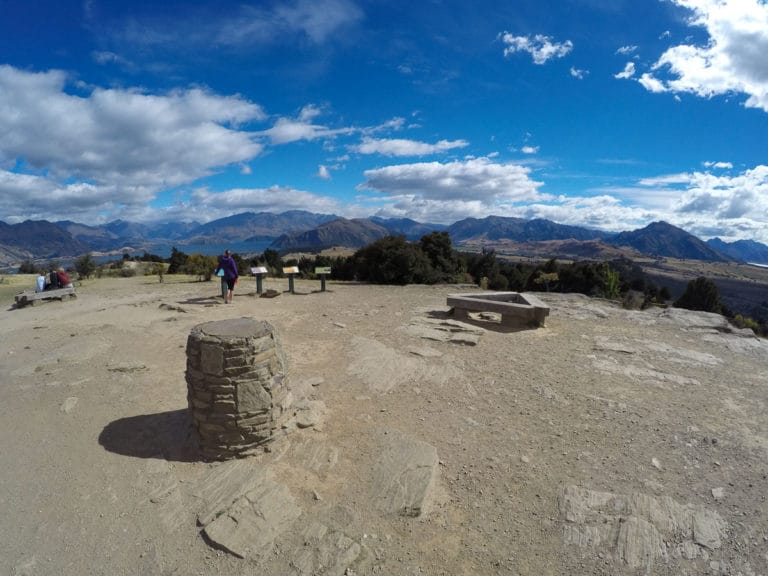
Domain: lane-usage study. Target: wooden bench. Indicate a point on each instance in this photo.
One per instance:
(517, 310)
(30, 297)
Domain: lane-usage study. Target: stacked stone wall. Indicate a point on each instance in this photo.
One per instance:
(237, 388)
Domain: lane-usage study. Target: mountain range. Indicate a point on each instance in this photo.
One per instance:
(299, 230)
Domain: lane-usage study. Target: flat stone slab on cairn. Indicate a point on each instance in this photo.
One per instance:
(236, 386)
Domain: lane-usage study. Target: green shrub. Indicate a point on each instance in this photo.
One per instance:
(701, 294)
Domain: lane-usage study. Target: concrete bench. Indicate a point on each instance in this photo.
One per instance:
(517, 310)
(30, 297)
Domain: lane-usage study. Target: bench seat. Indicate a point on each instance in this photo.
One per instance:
(30, 297)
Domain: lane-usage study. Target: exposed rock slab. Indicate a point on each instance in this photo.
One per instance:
(383, 368)
(324, 551)
(244, 511)
(405, 474)
(445, 330)
(251, 523)
(638, 530)
(224, 484)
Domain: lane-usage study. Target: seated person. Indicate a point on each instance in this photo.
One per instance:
(40, 286)
(64, 281)
(53, 280)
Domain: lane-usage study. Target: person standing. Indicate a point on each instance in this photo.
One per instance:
(228, 265)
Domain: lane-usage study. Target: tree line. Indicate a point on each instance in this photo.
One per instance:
(433, 260)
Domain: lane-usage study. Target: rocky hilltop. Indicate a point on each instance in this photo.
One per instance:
(610, 441)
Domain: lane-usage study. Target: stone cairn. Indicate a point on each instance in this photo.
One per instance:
(237, 388)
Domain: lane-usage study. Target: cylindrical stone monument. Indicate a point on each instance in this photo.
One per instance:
(236, 386)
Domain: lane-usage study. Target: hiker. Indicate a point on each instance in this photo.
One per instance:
(40, 286)
(228, 271)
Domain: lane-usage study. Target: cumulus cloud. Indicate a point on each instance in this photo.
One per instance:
(402, 147)
(733, 205)
(115, 136)
(28, 196)
(628, 72)
(446, 192)
(732, 61)
(541, 48)
(727, 197)
(602, 212)
(286, 130)
(271, 199)
(119, 146)
(530, 149)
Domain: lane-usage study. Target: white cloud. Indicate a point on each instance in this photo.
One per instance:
(732, 61)
(323, 173)
(540, 47)
(402, 147)
(394, 124)
(272, 199)
(666, 180)
(734, 206)
(628, 72)
(626, 50)
(728, 197)
(286, 130)
(721, 165)
(530, 149)
(27, 196)
(115, 146)
(576, 73)
(446, 192)
(603, 212)
(651, 84)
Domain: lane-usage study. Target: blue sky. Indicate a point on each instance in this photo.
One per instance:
(601, 113)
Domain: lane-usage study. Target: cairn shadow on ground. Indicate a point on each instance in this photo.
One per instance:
(165, 435)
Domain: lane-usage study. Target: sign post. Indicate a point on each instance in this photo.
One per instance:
(322, 272)
(259, 272)
(291, 271)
